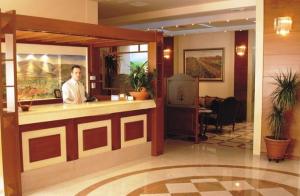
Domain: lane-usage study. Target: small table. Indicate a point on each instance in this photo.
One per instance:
(203, 112)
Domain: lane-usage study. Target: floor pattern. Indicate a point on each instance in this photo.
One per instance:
(241, 137)
(203, 180)
(214, 185)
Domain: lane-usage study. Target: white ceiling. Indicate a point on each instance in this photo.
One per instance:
(165, 15)
(116, 8)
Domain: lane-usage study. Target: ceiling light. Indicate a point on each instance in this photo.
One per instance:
(283, 25)
(176, 26)
(227, 20)
(247, 18)
(193, 24)
(225, 31)
(162, 27)
(138, 4)
(209, 22)
(30, 57)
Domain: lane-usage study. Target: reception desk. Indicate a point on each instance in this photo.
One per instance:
(54, 135)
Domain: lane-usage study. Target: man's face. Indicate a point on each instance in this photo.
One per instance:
(76, 74)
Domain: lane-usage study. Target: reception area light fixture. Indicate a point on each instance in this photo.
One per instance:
(167, 53)
(283, 25)
(240, 50)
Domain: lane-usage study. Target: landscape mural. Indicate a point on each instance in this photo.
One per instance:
(38, 74)
(206, 64)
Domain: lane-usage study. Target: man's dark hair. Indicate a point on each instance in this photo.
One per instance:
(75, 66)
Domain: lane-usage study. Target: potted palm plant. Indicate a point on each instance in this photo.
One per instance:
(140, 80)
(284, 97)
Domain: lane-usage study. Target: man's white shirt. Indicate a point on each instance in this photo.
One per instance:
(70, 91)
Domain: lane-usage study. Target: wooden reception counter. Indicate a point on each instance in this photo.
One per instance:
(54, 135)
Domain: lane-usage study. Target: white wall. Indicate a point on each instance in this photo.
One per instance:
(209, 40)
(74, 10)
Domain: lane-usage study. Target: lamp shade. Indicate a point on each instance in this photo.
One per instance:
(283, 25)
(240, 50)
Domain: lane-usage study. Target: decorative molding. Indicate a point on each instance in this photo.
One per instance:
(91, 125)
(26, 136)
(124, 120)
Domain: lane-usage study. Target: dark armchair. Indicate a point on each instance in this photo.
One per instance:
(224, 113)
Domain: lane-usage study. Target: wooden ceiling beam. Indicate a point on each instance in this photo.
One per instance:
(52, 43)
(38, 24)
(114, 43)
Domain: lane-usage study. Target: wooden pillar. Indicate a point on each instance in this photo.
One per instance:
(157, 114)
(10, 135)
(95, 71)
(241, 74)
(169, 62)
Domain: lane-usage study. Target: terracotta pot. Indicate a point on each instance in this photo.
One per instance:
(276, 149)
(142, 95)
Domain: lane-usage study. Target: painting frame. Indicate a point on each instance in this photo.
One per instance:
(217, 64)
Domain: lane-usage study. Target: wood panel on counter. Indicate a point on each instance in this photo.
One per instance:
(281, 54)
(83, 136)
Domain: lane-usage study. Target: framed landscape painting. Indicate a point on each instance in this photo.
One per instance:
(206, 64)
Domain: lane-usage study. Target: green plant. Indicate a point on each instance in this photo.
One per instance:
(284, 97)
(111, 64)
(140, 78)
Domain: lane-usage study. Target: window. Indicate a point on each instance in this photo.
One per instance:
(133, 55)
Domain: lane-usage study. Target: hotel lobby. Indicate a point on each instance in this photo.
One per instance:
(150, 98)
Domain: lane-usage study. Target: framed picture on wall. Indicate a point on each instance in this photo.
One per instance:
(206, 64)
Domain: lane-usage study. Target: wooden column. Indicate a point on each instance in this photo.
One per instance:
(169, 62)
(241, 74)
(94, 69)
(10, 135)
(157, 115)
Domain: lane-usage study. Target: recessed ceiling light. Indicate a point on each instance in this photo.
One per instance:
(227, 20)
(193, 24)
(176, 26)
(138, 4)
(247, 18)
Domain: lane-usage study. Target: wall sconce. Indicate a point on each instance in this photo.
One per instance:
(283, 25)
(167, 53)
(240, 50)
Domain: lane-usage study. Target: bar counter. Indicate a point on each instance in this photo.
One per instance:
(79, 139)
(52, 112)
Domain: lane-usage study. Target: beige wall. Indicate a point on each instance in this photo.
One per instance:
(209, 40)
(218, 40)
(280, 55)
(74, 10)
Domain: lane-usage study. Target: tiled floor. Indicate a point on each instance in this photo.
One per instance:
(241, 137)
(189, 169)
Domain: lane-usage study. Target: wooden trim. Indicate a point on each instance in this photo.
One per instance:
(10, 134)
(39, 24)
(241, 74)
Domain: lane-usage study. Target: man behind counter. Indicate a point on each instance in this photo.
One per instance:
(73, 90)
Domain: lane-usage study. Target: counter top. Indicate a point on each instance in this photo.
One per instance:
(51, 112)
